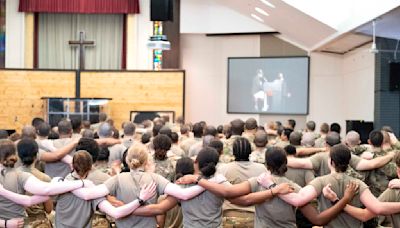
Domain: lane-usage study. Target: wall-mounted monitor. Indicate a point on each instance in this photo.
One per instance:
(268, 85)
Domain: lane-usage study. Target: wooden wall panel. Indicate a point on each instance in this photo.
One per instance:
(136, 91)
(21, 90)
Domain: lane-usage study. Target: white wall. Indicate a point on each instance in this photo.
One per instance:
(15, 35)
(326, 89)
(204, 16)
(359, 84)
(205, 61)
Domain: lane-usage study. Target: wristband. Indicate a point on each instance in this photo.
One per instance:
(141, 202)
(5, 223)
(272, 193)
(335, 202)
(198, 179)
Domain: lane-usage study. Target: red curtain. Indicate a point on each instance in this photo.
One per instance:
(80, 6)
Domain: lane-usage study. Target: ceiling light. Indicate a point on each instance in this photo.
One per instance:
(261, 11)
(268, 3)
(257, 17)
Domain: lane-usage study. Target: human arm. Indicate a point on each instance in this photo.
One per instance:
(377, 207)
(327, 215)
(299, 163)
(92, 192)
(37, 187)
(308, 151)
(57, 154)
(67, 159)
(20, 199)
(261, 196)
(108, 141)
(157, 209)
(12, 223)
(119, 212)
(375, 163)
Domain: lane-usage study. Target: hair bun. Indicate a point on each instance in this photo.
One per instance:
(135, 163)
(209, 169)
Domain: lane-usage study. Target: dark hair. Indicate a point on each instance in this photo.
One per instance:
(86, 124)
(184, 166)
(220, 129)
(376, 138)
(276, 161)
(340, 156)
(7, 150)
(102, 117)
(87, 133)
(250, 124)
(260, 139)
(174, 137)
(53, 135)
(332, 138)
(335, 127)
(217, 145)
(310, 125)
(197, 130)
(324, 128)
(292, 123)
(286, 132)
(165, 131)
(290, 150)
(37, 121)
(185, 129)
(43, 129)
(129, 128)
(64, 127)
(237, 127)
(279, 130)
(82, 162)
(115, 133)
(89, 145)
(76, 124)
(161, 144)
(125, 166)
(207, 159)
(295, 138)
(3, 134)
(146, 138)
(241, 149)
(27, 150)
(104, 154)
(210, 130)
(156, 129)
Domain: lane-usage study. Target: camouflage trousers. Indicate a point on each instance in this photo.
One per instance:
(238, 219)
(100, 221)
(39, 222)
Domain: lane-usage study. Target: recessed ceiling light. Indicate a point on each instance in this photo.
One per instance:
(268, 3)
(261, 11)
(257, 17)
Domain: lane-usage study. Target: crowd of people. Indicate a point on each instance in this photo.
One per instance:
(164, 174)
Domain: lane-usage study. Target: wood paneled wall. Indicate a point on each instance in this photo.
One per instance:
(21, 90)
(136, 91)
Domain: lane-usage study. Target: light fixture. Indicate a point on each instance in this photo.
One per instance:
(257, 17)
(261, 11)
(268, 3)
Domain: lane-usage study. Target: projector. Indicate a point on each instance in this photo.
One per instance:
(159, 44)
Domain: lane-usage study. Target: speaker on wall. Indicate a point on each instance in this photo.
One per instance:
(362, 127)
(161, 10)
(394, 76)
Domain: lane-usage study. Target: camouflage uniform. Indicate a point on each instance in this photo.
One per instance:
(227, 153)
(258, 156)
(165, 168)
(358, 150)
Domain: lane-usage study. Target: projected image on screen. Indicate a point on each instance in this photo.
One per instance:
(268, 85)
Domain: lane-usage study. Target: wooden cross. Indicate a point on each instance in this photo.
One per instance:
(82, 43)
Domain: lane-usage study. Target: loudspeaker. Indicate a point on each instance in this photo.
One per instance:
(161, 10)
(363, 128)
(394, 76)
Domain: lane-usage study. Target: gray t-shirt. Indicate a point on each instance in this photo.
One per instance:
(12, 180)
(59, 168)
(338, 183)
(116, 153)
(274, 212)
(126, 187)
(300, 176)
(320, 163)
(72, 211)
(97, 176)
(204, 210)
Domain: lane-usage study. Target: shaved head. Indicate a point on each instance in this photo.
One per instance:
(352, 138)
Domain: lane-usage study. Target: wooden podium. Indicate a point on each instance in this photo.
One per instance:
(58, 108)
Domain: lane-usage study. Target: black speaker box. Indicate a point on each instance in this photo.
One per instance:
(394, 76)
(363, 128)
(161, 10)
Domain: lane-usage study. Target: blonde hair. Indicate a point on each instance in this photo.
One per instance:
(137, 156)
